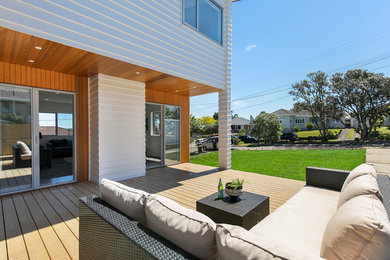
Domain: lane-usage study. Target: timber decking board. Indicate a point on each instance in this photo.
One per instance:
(43, 224)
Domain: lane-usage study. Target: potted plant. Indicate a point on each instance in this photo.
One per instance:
(234, 188)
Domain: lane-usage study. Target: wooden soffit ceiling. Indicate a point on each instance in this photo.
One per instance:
(20, 48)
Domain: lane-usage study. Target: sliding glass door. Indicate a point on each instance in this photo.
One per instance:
(162, 130)
(56, 137)
(37, 138)
(15, 139)
(172, 134)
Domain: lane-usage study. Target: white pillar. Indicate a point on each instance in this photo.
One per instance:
(224, 129)
(224, 98)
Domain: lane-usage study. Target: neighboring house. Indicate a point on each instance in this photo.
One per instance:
(239, 123)
(291, 118)
(118, 75)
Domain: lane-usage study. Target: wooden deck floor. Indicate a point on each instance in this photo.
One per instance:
(43, 224)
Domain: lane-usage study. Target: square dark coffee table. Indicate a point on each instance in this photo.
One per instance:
(247, 211)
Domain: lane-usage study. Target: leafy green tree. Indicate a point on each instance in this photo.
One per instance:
(266, 126)
(296, 128)
(215, 116)
(194, 126)
(314, 95)
(364, 96)
(309, 126)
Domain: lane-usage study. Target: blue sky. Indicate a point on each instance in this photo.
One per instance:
(276, 43)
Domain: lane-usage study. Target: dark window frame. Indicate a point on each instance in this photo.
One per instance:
(197, 21)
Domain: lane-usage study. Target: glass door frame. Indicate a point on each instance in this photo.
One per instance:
(162, 131)
(36, 141)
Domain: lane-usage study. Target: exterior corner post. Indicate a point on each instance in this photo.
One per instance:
(224, 130)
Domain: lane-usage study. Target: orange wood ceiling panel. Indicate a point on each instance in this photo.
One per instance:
(18, 48)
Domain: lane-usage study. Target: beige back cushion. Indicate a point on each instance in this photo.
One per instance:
(362, 185)
(360, 229)
(363, 169)
(24, 148)
(188, 229)
(128, 200)
(234, 242)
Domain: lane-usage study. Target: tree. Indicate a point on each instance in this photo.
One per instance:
(207, 125)
(215, 116)
(296, 128)
(364, 96)
(309, 126)
(194, 126)
(314, 95)
(266, 126)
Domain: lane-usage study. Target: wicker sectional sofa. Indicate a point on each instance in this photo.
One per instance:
(294, 231)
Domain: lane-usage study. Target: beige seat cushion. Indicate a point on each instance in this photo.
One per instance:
(26, 156)
(235, 242)
(188, 229)
(363, 169)
(24, 149)
(301, 221)
(360, 229)
(362, 185)
(128, 200)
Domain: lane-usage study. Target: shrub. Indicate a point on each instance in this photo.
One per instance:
(296, 128)
(309, 126)
(236, 141)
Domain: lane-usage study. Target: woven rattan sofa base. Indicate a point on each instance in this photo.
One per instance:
(106, 233)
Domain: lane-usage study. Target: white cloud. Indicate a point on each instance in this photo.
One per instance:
(251, 47)
(239, 104)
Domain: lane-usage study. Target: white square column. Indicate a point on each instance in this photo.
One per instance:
(224, 99)
(224, 129)
(116, 128)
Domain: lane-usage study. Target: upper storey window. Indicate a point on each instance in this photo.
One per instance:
(205, 16)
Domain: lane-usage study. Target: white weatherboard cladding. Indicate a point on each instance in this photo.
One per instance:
(117, 128)
(148, 33)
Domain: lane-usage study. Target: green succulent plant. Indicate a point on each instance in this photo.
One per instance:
(235, 183)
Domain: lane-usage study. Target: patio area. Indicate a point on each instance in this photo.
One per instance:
(43, 224)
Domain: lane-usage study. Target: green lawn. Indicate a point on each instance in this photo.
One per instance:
(314, 132)
(289, 164)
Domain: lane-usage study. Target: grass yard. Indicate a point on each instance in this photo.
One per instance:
(289, 164)
(314, 132)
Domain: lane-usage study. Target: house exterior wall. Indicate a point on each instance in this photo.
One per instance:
(145, 33)
(117, 128)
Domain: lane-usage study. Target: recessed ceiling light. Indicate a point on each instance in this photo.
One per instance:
(38, 47)
(194, 87)
(32, 61)
(137, 72)
(177, 90)
(46, 99)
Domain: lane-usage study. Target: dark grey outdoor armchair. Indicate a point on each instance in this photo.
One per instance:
(106, 233)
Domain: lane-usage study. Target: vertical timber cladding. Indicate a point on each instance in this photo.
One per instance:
(156, 96)
(40, 78)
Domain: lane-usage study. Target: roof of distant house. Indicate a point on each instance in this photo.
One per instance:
(51, 130)
(291, 112)
(240, 121)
